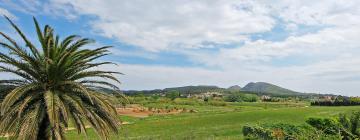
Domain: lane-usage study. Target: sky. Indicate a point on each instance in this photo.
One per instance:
(304, 45)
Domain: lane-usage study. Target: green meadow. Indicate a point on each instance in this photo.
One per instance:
(215, 122)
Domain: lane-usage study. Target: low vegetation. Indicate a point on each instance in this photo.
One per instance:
(338, 101)
(345, 127)
(282, 131)
(221, 122)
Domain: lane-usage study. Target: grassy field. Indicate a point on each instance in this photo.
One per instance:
(214, 122)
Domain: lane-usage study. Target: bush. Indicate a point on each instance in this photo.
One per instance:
(347, 127)
(339, 101)
(240, 97)
(328, 126)
(249, 98)
(173, 94)
(233, 98)
(257, 132)
(206, 99)
(282, 131)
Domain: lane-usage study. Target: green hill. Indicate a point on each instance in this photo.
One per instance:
(267, 88)
(182, 90)
(234, 88)
(195, 89)
(258, 88)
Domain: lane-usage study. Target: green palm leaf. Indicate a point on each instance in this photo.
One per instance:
(56, 86)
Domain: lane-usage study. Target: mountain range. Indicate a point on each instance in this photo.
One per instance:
(259, 88)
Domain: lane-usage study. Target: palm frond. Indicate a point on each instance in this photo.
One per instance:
(53, 87)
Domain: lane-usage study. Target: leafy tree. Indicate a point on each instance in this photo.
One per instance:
(206, 99)
(240, 97)
(233, 98)
(249, 98)
(173, 94)
(155, 97)
(56, 84)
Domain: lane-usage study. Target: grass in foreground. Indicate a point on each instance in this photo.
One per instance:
(216, 122)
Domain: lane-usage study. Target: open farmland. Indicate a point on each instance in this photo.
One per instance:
(212, 122)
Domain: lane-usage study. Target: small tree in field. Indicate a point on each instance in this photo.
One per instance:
(173, 94)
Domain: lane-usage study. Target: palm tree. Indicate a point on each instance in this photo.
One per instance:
(56, 85)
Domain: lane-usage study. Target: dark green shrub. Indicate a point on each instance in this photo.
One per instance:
(281, 131)
(328, 126)
(249, 98)
(206, 99)
(172, 94)
(233, 98)
(347, 127)
(257, 132)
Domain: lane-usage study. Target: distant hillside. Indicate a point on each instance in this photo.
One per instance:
(259, 88)
(267, 88)
(234, 88)
(182, 90)
(194, 89)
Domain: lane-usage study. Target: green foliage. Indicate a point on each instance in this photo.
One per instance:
(233, 98)
(328, 126)
(241, 97)
(347, 127)
(155, 97)
(249, 98)
(257, 132)
(186, 90)
(173, 94)
(281, 131)
(56, 87)
(339, 101)
(206, 99)
(355, 99)
(195, 89)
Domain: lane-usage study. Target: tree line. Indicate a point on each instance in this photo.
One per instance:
(338, 101)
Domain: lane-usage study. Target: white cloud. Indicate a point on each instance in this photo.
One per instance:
(7, 13)
(183, 26)
(161, 25)
(320, 12)
(333, 42)
(138, 54)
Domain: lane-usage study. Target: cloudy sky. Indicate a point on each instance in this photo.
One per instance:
(304, 45)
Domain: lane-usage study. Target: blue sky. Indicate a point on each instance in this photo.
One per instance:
(307, 46)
